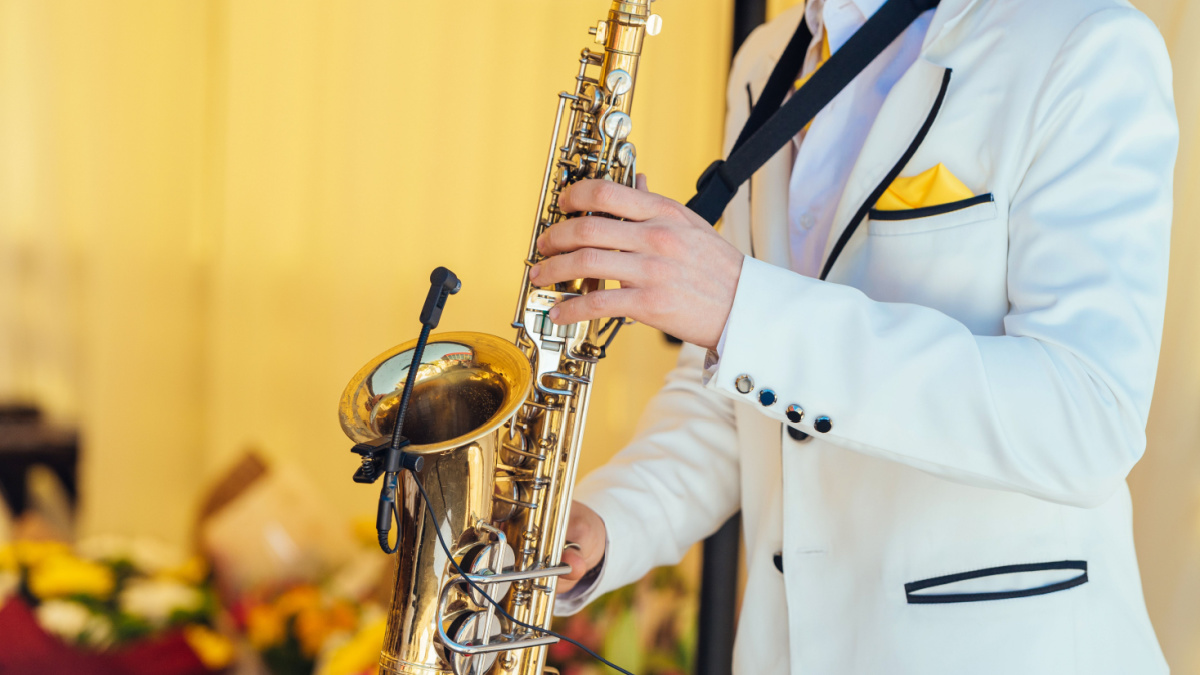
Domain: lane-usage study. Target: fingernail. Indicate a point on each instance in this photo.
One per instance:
(539, 243)
(554, 315)
(534, 271)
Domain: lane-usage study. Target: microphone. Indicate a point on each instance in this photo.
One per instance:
(442, 284)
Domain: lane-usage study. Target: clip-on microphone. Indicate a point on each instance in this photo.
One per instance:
(389, 456)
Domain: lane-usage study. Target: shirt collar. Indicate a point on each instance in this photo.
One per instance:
(841, 18)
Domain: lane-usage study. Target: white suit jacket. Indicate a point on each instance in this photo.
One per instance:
(975, 378)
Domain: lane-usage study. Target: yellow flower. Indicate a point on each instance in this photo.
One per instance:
(32, 553)
(63, 575)
(214, 650)
(312, 629)
(192, 571)
(294, 600)
(359, 654)
(8, 558)
(264, 627)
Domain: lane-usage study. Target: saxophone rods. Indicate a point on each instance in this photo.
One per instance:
(498, 424)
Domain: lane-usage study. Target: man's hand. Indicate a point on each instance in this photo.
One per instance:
(587, 530)
(677, 274)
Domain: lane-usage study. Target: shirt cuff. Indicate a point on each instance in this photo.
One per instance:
(713, 357)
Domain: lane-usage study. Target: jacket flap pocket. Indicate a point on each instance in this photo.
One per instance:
(931, 218)
(998, 583)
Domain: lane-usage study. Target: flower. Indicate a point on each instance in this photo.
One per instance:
(264, 626)
(192, 571)
(59, 575)
(8, 558)
(74, 622)
(293, 600)
(155, 600)
(358, 654)
(31, 553)
(148, 556)
(9, 583)
(214, 650)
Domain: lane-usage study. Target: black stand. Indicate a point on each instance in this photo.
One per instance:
(387, 457)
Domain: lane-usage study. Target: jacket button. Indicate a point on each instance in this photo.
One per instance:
(778, 559)
(766, 397)
(744, 384)
(795, 413)
(823, 424)
(797, 435)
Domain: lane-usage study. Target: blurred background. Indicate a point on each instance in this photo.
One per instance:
(213, 213)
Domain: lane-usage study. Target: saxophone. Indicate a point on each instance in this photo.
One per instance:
(497, 425)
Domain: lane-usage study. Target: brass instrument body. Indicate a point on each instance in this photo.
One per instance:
(499, 424)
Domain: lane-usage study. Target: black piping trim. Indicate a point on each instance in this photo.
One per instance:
(911, 588)
(927, 211)
(887, 180)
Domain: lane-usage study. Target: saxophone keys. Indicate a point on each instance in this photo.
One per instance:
(653, 24)
(617, 125)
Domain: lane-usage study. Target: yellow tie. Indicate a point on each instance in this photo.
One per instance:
(820, 61)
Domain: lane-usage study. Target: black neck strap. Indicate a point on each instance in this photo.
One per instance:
(770, 126)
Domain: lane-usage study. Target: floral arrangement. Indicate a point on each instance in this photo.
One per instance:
(110, 594)
(305, 629)
(648, 628)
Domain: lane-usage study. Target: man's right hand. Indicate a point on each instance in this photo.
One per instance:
(587, 530)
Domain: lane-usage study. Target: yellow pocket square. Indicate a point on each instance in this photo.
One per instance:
(934, 187)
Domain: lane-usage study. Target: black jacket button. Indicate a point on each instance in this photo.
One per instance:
(779, 561)
(797, 435)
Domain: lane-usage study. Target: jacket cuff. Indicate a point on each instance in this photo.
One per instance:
(763, 357)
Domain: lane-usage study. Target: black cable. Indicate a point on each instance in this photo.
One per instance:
(480, 591)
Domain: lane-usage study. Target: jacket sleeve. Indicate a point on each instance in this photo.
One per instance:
(673, 485)
(1055, 407)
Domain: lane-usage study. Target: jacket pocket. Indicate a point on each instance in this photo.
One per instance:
(1008, 581)
(931, 218)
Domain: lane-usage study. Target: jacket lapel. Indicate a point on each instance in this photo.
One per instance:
(893, 138)
(769, 186)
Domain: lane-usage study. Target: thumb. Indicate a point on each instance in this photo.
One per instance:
(642, 183)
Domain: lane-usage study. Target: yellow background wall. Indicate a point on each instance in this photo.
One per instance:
(212, 213)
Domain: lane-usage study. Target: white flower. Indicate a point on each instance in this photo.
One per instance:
(156, 599)
(149, 556)
(73, 622)
(63, 618)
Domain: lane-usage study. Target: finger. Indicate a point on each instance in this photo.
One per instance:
(597, 305)
(642, 183)
(605, 196)
(587, 263)
(591, 232)
(579, 565)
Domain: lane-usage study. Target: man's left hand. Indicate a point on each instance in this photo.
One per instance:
(677, 274)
